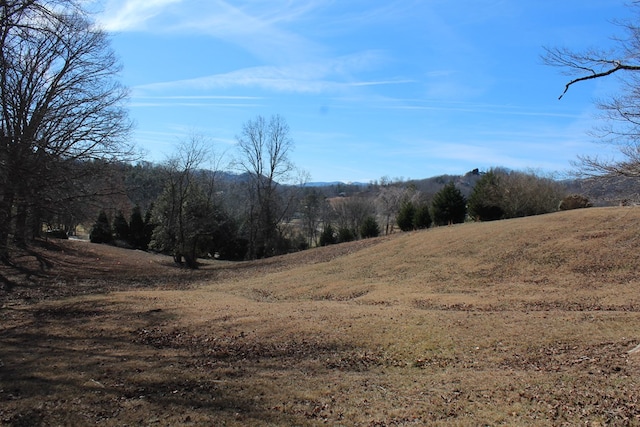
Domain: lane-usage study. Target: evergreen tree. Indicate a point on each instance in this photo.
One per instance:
(369, 228)
(486, 199)
(225, 242)
(328, 236)
(449, 206)
(149, 225)
(101, 230)
(137, 229)
(405, 218)
(422, 217)
(120, 227)
(345, 234)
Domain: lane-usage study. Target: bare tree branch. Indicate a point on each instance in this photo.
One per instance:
(620, 124)
(618, 67)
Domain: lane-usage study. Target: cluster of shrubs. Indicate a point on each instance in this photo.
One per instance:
(134, 234)
(413, 216)
(448, 206)
(330, 235)
(574, 201)
(497, 195)
(502, 194)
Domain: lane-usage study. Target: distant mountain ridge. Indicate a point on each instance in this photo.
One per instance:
(334, 183)
(603, 191)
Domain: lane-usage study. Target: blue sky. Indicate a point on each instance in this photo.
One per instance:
(370, 88)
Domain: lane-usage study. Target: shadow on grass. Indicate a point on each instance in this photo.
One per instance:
(26, 269)
(84, 363)
(57, 269)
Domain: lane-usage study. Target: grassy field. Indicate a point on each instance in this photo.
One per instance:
(519, 322)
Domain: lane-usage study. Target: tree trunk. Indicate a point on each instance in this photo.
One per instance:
(35, 223)
(20, 236)
(191, 262)
(6, 205)
(191, 259)
(177, 258)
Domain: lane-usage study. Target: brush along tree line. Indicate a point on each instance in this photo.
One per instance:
(199, 212)
(63, 149)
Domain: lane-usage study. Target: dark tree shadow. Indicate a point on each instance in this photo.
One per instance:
(19, 271)
(67, 365)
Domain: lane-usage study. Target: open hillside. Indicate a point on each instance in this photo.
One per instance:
(531, 321)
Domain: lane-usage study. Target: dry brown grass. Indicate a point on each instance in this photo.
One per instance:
(518, 322)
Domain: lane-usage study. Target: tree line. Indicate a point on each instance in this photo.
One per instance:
(194, 212)
(65, 157)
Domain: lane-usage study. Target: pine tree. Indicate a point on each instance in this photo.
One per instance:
(149, 226)
(101, 230)
(369, 228)
(422, 217)
(449, 206)
(328, 237)
(486, 199)
(405, 218)
(345, 234)
(120, 227)
(136, 229)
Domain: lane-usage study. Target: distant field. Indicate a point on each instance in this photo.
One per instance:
(519, 322)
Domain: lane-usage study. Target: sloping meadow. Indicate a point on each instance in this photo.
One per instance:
(529, 321)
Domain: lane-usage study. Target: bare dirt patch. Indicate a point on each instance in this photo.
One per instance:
(524, 322)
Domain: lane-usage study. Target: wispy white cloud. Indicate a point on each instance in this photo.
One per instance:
(128, 15)
(477, 108)
(149, 104)
(258, 27)
(314, 77)
(382, 82)
(196, 101)
(279, 79)
(277, 34)
(203, 97)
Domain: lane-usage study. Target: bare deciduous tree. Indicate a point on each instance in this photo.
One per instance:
(621, 112)
(185, 214)
(388, 202)
(264, 148)
(351, 212)
(311, 207)
(60, 104)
